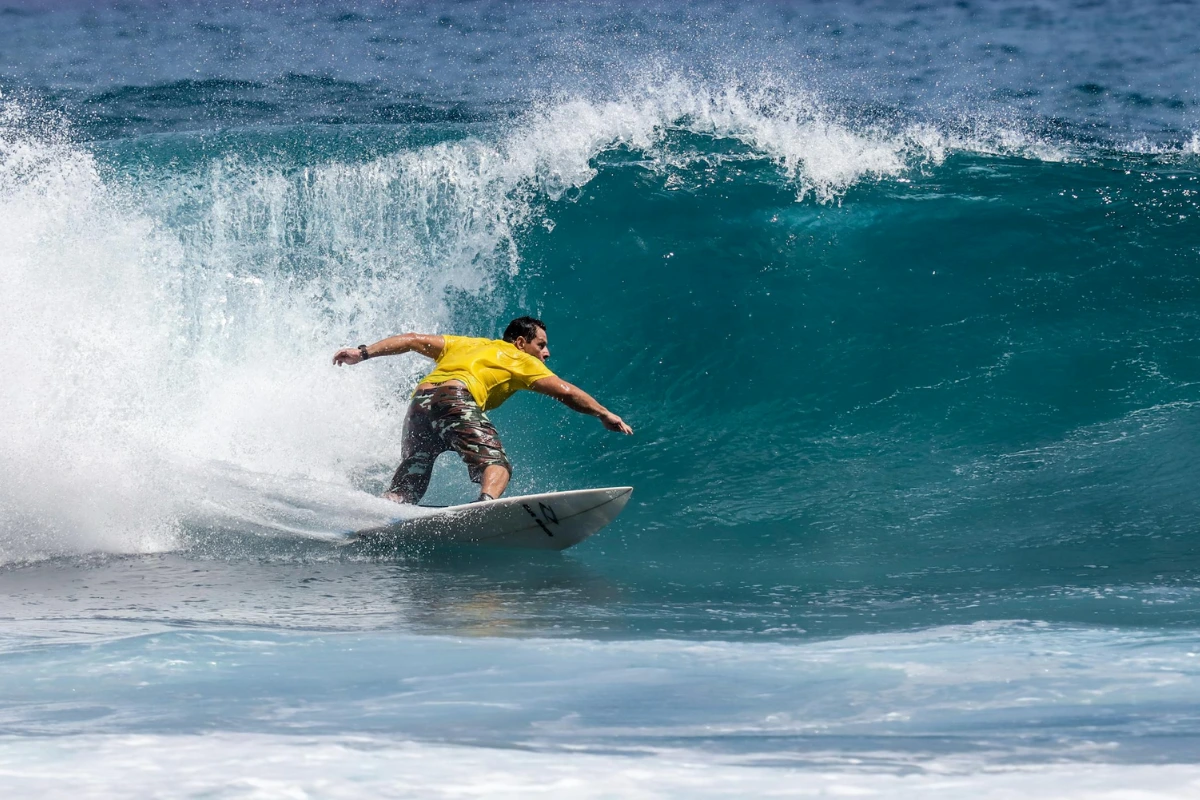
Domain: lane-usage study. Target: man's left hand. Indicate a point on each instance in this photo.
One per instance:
(615, 423)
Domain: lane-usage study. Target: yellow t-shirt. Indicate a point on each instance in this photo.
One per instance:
(492, 369)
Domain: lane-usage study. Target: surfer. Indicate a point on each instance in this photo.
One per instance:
(449, 407)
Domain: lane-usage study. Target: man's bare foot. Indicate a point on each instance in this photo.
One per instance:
(395, 498)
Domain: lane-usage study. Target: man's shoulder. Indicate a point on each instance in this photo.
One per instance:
(532, 367)
(453, 340)
(508, 351)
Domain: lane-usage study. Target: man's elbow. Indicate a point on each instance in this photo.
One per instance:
(567, 393)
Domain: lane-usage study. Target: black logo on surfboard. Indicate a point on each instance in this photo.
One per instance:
(547, 515)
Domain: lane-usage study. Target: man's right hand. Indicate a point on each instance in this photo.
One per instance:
(615, 423)
(347, 355)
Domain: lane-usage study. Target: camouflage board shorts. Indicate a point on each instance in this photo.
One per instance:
(443, 418)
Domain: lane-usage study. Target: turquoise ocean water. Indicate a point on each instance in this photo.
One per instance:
(902, 301)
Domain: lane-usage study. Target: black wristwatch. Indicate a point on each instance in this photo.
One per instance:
(362, 348)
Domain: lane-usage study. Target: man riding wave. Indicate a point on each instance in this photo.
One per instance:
(449, 407)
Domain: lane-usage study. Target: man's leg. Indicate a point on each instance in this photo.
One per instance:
(420, 448)
(411, 480)
(494, 481)
(465, 429)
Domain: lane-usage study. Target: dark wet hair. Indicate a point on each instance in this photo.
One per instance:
(523, 326)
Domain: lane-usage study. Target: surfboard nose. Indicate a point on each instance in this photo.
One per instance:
(618, 496)
(614, 502)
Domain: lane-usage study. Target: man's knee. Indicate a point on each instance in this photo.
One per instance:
(411, 478)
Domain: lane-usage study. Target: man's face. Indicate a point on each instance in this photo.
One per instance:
(538, 346)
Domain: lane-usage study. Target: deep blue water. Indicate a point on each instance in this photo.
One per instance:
(901, 301)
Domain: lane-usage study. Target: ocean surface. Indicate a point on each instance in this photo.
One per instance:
(901, 299)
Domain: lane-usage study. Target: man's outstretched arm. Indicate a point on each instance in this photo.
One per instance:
(577, 399)
(426, 344)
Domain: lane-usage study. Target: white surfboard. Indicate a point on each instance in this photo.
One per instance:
(552, 521)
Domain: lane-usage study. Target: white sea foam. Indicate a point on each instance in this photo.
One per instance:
(141, 348)
(82, 323)
(264, 766)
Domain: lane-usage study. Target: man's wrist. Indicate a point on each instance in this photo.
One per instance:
(362, 349)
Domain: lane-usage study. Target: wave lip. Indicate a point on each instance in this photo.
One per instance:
(823, 153)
